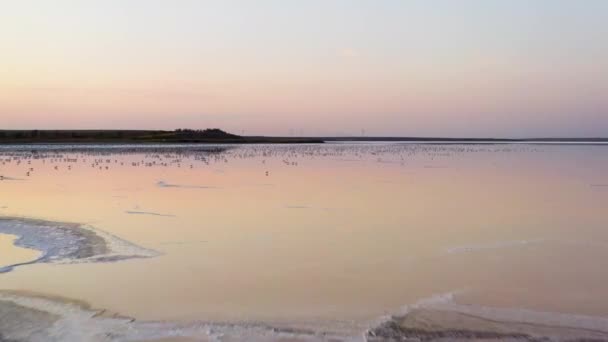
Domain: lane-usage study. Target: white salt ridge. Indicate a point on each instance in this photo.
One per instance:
(404, 310)
(551, 324)
(62, 243)
(446, 302)
(78, 322)
(75, 323)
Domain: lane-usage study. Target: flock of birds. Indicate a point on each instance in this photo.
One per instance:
(103, 159)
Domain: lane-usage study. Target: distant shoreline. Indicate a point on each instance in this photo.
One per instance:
(442, 139)
(216, 136)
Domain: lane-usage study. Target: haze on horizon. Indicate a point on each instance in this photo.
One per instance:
(474, 68)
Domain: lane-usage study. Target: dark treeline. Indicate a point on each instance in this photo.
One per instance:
(215, 135)
(68, 134)
(182, 135)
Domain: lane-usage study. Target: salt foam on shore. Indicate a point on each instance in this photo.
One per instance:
(69, 243)
(36, 318)
(441, 318)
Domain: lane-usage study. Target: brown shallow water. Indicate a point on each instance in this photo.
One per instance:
(320, 237)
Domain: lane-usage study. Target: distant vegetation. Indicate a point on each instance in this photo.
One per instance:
(212, 135)
(215, 135)
(180, 135)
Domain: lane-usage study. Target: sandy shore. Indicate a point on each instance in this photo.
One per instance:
(441, 318)
(33, 317)
(30, 317)
(18, 323)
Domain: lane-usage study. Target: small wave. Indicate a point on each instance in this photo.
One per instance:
(525, 243)
(164, 184)
(182, 242)
(134, 212)
(6, 178)
(297, 207)
(497, 245)
(436, 167)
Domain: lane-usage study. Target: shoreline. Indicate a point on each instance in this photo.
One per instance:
(30, 316)
(49, 318)
(61, 242)
(441, 317)
(16, 254)
(218, 136)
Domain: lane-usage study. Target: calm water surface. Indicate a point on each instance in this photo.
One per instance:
(318, 233)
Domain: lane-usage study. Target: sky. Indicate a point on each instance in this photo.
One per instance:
(467, 68)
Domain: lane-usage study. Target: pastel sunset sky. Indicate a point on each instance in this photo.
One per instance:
(509, 68)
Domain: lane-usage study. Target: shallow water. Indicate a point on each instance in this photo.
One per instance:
(331, 236)
(11, 254)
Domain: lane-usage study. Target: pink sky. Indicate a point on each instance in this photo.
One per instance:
(480, 68)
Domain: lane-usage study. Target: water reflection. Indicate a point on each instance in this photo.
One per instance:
(329, 232)
(106, 157)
